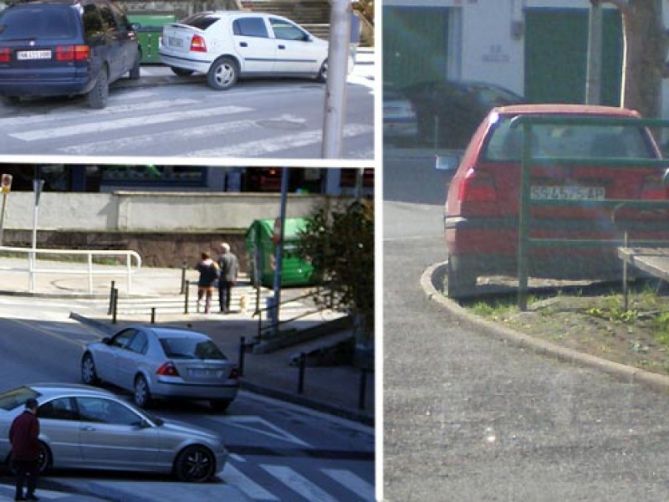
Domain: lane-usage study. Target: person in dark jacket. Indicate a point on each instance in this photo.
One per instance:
(229, 268)
(23, 436)
(208, 269)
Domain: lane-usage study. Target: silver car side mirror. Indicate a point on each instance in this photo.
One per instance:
(447, 162)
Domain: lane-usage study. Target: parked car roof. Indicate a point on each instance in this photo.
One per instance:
(557, 108)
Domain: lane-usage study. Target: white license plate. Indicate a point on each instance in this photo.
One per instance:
(538, 192)
(175, 42)
(25, 55)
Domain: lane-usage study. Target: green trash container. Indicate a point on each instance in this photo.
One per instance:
(296, 271)
(149, 32)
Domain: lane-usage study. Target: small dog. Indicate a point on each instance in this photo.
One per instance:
(243, 303)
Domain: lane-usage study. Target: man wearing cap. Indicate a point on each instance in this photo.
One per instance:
(23, 436)
(229, 266)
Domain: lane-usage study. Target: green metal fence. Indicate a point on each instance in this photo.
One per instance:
(528, 161)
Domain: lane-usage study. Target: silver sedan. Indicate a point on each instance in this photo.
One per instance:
(160, 362)
(87, 428)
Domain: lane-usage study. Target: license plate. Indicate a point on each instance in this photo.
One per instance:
(26, 55)
(175, 42)
(567, 193)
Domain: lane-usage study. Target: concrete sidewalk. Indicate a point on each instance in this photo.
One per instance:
(157, 74)
(331, 389)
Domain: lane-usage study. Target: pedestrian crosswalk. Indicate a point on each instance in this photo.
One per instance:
(279, 121)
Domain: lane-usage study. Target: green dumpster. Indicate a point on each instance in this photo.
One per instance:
(149, 33)
(259, 238)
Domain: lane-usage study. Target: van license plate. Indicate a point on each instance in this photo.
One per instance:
(26, 55)
(538, 192)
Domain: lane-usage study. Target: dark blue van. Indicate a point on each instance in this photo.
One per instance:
(64, 48)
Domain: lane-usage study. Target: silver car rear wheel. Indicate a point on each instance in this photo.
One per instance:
(88, 374)
(223, 74)
(142, 395)
(195, 464)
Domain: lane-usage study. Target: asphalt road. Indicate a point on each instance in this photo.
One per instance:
(257, 118)
(470, 418)
(278, 451)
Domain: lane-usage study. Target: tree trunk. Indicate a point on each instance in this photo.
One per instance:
(644, 57)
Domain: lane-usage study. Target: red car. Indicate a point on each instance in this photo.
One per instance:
(481, 215)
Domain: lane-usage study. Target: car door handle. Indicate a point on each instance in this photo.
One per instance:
(243, 44)
(88, 428)
(282, 47)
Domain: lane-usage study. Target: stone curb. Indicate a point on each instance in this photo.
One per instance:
(362, 417)
(435, 274)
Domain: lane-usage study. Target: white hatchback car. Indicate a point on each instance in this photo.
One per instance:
(226, 45)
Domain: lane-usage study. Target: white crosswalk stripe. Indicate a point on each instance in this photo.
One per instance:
(277, 143)
(352, 481)
(123, 123)
(298, 483)
(234, 476)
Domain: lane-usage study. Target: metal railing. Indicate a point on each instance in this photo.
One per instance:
(33, 270)
(528, 161)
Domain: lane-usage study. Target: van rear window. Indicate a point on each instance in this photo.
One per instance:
(43, 22)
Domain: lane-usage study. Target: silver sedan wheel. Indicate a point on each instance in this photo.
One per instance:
(222, 74)
(195, 464)
(88, 374)
(142, 394)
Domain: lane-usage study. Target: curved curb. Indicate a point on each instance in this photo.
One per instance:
(435, 274)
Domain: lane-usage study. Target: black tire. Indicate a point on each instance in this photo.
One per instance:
(45, 460)
(220, 405)
(461, 281)
(181, 72)
(98, 95)
(223, 74)
(142, 395)
(88, 373)
(195, 464)
(323, 72)
(134, 73)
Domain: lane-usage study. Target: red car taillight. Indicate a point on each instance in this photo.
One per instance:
(197, 44)
(72, 52)
(654, 189)
(167, 369)
(477, 187)
(5, 55)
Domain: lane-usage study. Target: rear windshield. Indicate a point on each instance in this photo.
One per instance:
(17, 397)
(191, 348)
(38, 22)
(201, 21)
(570, 141)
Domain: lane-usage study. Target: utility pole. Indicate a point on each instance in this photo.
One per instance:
(594, 64)
(278, 256)
(335, 90)
(38, 185)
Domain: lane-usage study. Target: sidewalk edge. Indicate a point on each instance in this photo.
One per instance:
(346, 413)
(622, 372)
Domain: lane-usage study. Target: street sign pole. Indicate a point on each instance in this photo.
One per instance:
(5, 188)
(279, 248)
(335, 90)
(38, 184)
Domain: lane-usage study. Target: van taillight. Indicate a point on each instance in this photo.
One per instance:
(167, 369)
(5, 55)
(72, 52)
(477, 187)
(654, 189)
(197, 44)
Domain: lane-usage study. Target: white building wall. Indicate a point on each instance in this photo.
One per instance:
(149, 211)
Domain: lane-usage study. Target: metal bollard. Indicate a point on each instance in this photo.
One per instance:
(111, 297)
(183, 278)
(153, 315)
(186, 297)
(240, 361)
(363, 389)
(114, 305)
(300, 378)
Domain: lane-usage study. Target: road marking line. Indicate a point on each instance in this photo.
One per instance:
(247, 422)
(274, 144)
(298, 483)
(110, 110)
(353, 482)
(234, 476)
(97, 127)
(144, 140)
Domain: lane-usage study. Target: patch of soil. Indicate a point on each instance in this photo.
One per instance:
(597, 324)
